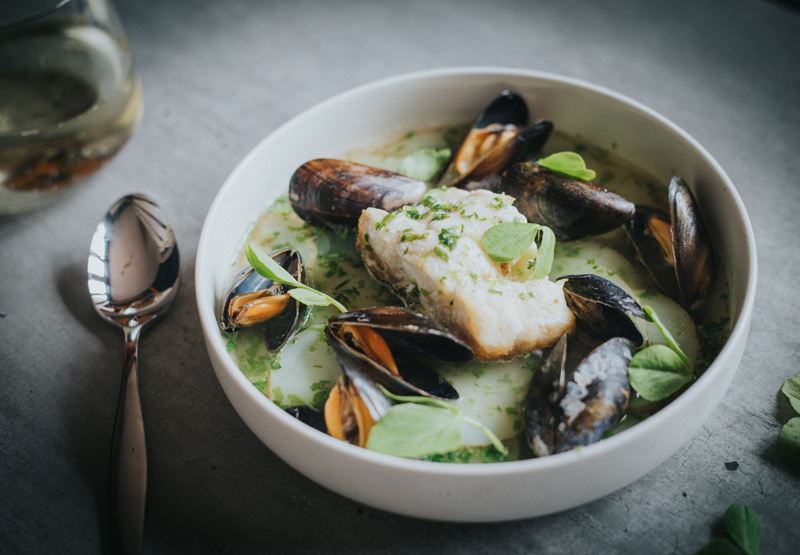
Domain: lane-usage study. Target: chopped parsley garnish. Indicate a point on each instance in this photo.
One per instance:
(447, 238)
(409, 235)
(441, 253)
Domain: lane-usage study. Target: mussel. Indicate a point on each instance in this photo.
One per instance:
(675, 249)
(498, 137)
(603, 307)
(565, 409)
(334, 192)
(354, 405)
(380, 341)
(309, 416)
(571, 208)
(256, 301)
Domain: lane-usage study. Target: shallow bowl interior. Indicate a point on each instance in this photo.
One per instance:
(489, 492)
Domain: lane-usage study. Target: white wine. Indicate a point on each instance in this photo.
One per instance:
(69, 101)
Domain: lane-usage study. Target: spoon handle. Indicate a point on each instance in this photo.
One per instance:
(129, 454)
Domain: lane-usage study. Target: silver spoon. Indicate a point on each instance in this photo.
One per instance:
(133, 276)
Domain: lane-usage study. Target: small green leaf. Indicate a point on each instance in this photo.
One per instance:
(265, 265)
(544, 256)
(657, 372)
(791, 388)
(506, 241)
(415, 430)
(311, 298)
(425, 163)
(743, 527)
(570, 164)
(719, 546)
(789, 443)
(668, 339)
(419, 399)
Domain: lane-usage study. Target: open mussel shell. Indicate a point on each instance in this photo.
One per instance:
(308, 416)
(571, 208)
(353, 406)
(651, 237)
(334, 192)
(693, 265)
(542, 412)
(255, 301)
(498, 137)
(674, 249)
(364, 348)
(408, 330)
(597, 395)
(566, 409)
(603, 307)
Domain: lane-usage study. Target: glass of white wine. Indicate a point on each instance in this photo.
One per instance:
(69, 97)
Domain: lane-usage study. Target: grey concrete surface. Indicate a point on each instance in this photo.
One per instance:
(219, 76)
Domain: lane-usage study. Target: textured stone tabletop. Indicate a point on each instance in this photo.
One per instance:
(218, 77)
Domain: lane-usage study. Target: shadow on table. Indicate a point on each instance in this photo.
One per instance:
(88, 416)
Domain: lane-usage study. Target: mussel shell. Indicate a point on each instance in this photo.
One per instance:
(491, 143)
(334, 192)
(693, 264)
(507, 107)
(603, 307)
(408, 330)
(571, 208)
(650, 235)
(362, 369)
(597, 395)
(309, 416)
(531, 140)
(542, 413)
(278, 329)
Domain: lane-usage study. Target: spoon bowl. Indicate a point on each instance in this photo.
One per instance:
(133, 276)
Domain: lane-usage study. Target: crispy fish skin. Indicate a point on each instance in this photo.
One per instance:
(431, 253)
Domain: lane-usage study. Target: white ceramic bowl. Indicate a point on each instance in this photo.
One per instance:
(488, 492)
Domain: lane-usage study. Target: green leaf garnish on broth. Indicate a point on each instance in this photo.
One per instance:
(567, 163)
(422, 426)
(789, 443)
(267, 267)
(425, 163)
(668, 339)
(656, 372)
(413, 430)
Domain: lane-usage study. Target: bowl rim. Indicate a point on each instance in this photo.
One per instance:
(216, 346)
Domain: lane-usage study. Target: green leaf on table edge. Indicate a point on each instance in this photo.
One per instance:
(791, 389)
(744, 527)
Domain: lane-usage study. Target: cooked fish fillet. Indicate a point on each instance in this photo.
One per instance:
(433, 251)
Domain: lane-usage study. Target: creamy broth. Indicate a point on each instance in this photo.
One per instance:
(491, 392)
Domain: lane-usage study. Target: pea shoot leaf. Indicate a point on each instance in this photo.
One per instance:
(789, 443)
(791, 388)
(570, 164)
(544, 256)
(744, 527)
(415, 430)
(657, 372)
(265, 265)
(505, 242)
(668, 339)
